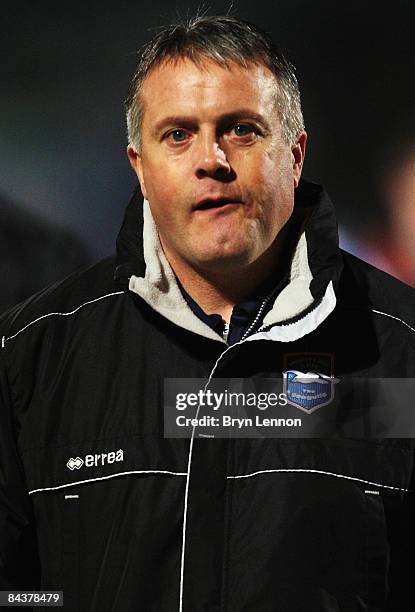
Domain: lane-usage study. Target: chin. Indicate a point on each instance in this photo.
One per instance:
(225, 261)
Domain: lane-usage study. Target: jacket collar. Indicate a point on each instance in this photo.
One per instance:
(315, 268)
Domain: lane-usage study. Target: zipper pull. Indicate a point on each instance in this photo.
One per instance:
(225, 332)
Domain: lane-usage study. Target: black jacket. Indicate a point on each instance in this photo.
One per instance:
(96, 502)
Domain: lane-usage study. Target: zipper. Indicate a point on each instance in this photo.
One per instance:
(211, 375)
(226, 326)
(225, 332)
(313, 306)
(258, 315)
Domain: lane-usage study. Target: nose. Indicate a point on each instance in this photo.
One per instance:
(211, 159)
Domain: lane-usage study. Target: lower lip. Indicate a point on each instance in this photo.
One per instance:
(216, 209)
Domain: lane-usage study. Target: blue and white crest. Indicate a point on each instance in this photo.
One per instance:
(308, 391)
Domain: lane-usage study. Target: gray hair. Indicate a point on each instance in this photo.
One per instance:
(223, 39)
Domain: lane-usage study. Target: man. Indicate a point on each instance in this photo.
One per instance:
(230, 269)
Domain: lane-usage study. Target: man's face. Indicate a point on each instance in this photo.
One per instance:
(214, 167)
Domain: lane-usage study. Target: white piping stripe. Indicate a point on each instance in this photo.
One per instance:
(376, 484)
(385, 314)
(64, 314)
(71, 484)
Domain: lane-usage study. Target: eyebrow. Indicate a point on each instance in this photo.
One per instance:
(221, 120)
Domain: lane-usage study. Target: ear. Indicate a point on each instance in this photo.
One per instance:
(137, 165)
(298, 154)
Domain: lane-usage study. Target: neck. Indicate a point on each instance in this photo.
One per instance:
(217, 291)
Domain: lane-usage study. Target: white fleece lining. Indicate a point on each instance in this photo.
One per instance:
(296, 296)
(160, 290)
(302, 327)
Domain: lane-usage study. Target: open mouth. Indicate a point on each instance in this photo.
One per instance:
(210, 204)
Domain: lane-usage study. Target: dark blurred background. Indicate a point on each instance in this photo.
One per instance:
(65, 72)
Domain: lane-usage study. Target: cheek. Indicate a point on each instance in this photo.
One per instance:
(162, 184)
(165, 194)
(272, 188)
(270, 183)
(279, 181)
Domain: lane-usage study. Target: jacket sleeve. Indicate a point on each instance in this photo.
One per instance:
(19, 559)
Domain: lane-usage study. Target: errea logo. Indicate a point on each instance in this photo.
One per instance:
(95, 460)
(75, 464)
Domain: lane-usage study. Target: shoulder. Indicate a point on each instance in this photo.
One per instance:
(84, 289)
(363, 286)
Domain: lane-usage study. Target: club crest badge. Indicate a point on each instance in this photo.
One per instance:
(308, 380)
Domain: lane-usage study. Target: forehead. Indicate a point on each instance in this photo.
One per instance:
(182, 86)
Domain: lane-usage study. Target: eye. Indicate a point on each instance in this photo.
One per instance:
(177, 135)
(243, 129)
